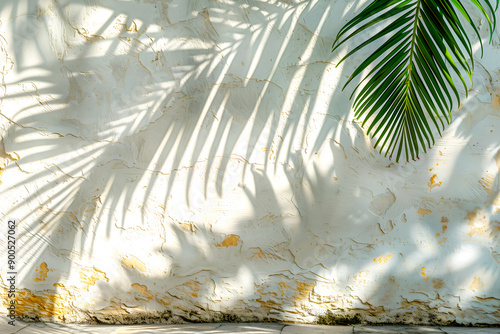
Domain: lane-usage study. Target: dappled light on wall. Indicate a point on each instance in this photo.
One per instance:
(198, 161)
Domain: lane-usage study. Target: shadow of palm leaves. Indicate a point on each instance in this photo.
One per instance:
(167, 107)
(182, 109)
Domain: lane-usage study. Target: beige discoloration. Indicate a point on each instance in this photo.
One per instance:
(133, 262)
(476, 284)
(42, 272)
(187, 227)
(259, 253)
(165, 300)
(383, 259)
(143, 290)
(230, 241)
(423, 212)
(5, 157)
(495, 101)
(487, 182)
(115, 309)
(381, 203)
(415, 303)
(438, 284)
(478, 223)
(89, 275)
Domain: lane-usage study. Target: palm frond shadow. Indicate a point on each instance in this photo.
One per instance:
(185, 96)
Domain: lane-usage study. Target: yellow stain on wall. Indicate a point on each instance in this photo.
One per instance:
(143, 290)
(444, 221)
(187, 227)
(194, 286)
(133, 262)
(423, 212)
(260, 253)
(440, 242)
(267, 293)
(383, 259)
(89, 275)
(263, 255)
(164, 300)
(42, 272)
(305, 291)
(230, 240)
(270, 304)
(284, 285)
(361, 276)
(433, 183)
(476, 284)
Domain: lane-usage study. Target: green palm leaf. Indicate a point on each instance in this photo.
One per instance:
(409, 88)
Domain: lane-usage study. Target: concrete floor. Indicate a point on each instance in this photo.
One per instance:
(226, 328)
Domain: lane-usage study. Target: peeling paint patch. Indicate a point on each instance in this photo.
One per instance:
(194, 287)
(230, 240)
(133, 262)
(43, 305)
(89, 275)
(143, 290)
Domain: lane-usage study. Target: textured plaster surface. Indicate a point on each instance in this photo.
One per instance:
(185, 160)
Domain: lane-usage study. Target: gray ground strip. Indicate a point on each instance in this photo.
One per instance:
(226, 328)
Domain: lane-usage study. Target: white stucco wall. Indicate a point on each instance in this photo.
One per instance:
(197, 160)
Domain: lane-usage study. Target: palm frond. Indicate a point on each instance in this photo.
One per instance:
(410, 81)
